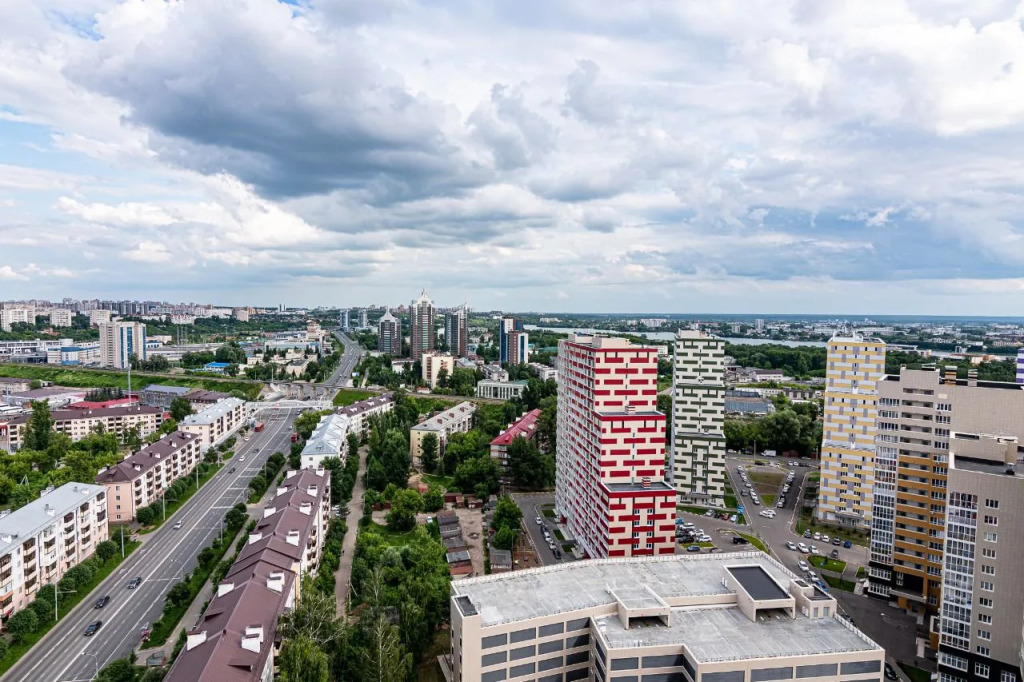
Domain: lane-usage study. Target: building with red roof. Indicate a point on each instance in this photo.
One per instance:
(524, 427)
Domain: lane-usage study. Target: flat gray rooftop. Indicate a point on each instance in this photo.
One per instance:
(723, 633)
(758, 584)
(519, 595)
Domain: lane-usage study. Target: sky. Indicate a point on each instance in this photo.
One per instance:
(765, 156)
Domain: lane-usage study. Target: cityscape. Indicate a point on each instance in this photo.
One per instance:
(455, 341)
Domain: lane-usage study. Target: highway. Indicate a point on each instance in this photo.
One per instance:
(348, 362)
(66, 655)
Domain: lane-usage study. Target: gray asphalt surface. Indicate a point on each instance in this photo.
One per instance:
(65, 655)
(349, 359)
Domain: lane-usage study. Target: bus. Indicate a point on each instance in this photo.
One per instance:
(259, 427)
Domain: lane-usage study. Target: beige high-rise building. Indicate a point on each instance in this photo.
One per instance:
(60, 317)
(120, 342)
(432, 363)
(855, 365)
(698, 419)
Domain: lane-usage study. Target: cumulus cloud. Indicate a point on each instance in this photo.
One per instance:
(737, 152)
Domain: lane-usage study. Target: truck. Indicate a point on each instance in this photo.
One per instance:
(295, 438)
(259, 427)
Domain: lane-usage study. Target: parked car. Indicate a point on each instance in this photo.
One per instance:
(743, 492)
(825, 538)
(135, 582)
(814, 549)
(804, 549)
(709, 513)
(791, 545)
(807, 533)
(781, 503)
(837, 541)
(102, 601)
(890, 674)
(733, 518)
(538, 520)
(757, 501)
(847, 544)
(737, 540)
(803, 565)
(834, 554)
(693, 548)
(93, 628)
(817, 536)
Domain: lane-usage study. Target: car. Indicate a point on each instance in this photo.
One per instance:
(177, 525)
(767, 513)
(750, 485)
(743, 492)
(836, 541)
(812, 576)
(803, 565)
(780, 504)
(791, 545)
(538, 521)
(794, 464)
(807, 533)
(737, 540)
(135, 582)
(686, 525)
(558, 553)
(693, 548)
(242, 458)
(817, 536)
(231, 470)
(847, 544)
(804, 549)
(757, 501)
(890, 674)
(709, 513)
(733, 517)
(825, 538)
(102, 601)
(785, 488)
(551, 546)
(703, 538)
(93, 628)
(834, 554)
(814, 549)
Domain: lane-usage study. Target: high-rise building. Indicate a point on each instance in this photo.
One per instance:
(389, 335)
(698, 419)
(363, 320)
(982, 612)
(1020, 365)
(60, 317)
(14, 314)
(432, 362)
(421, 326)
(513, 342)
(120, 341)
(610, 454)
(759, 325)
(924, 417)
(456, 332)
(855, 365)
(343, 321)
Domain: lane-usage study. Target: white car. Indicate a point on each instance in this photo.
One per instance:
(757, 501)
(686, 525)
(781, 504)
(817, 536)
(704, 538)
(803, 565)
(539, 522)
(825, 538)
(814, 549)
(791, 545)
(768, 513)
(804, 549)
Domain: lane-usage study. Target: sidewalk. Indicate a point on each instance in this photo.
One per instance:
(348, 545)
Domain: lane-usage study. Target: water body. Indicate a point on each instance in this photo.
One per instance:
(670, 336)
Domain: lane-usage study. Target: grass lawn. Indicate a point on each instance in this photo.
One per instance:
(705, 545)
(174, 505)
(70, 601)
(428, 669)
(91, 378)
(393, 538)
(916, 674)
(862, 573)
(825, 563)
(548, 513)
(692, 510)
(567, 547)
(730, 502)
(845, 585)
(768, 500)
(558, 534)
(347, 396)
(754, 541)
(435, 479)
(806, 522)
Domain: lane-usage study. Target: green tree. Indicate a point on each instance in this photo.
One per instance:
(478, 475)
(505, 538)
(301, 660)
(106, 550)
(119, 670)
(433, 499)
(385, 658)
(428, 452)
(528, 467)
(507, 514)
(145, 516)
(404, 507)
(180, 408)
(39, 429)
(22, 624)
(314, 617)
(179, 594)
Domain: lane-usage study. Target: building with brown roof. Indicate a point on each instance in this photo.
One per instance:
(141, 478)
(236, 639)
(78, 424)
(200, 398)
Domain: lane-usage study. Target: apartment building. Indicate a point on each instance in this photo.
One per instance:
(713, 617)
(513, 342)
(982, 613)
(329, 439)
(141, 478)
(98, 317)
(1020, 365)
(697, 458)
(359, 412)
(120, 342)
(500, 390)
(13, 314)
(431, 364)
(456, 332)
(855, 366)
(610, 453)
(42, 540)
(236, 639)
(161, 396)
(60, 317)
(524, 427)
(78, 424)
(389, 335)
(458, 419)
(215, 423)
(422, 334)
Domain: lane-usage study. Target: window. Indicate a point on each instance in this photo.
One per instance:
(991, 537)
(523, 635)
(991, 520)
(981, 670)
(984, 618)
(984, 651)
(988, 570)
(987, 586)
(985, 635)
(817, 670)
(988, 553)
(1007, 676)
(765, 674)
(944, 407)
(986, 602)
(522, 652)
(493, 659)
(992, 504)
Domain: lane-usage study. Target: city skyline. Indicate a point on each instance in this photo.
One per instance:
(583, 159)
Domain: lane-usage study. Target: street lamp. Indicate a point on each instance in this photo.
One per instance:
(57, 591)
(96, 660)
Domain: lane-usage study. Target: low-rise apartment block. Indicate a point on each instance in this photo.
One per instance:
(709, 618)
(443, 424)
(161, 396)
(524, 427)
(42, 540)
(236, 638)
(500, 390)
(216, 423)
(78, 424)
(432, 362)
(327, 440)
(359, 413)
(141, 478)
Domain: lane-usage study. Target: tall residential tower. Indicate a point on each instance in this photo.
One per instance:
(698, 419)
(120, 341)
(855, 365)
(513, 342)
(421, 326)
(610, 453)
(456, 331)
(389, 335)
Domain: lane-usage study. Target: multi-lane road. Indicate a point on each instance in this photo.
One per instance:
(65, 655)
(348, 362)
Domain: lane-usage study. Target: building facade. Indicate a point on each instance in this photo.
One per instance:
(215, 423)
(421, 326)
(359, 412)
(500, 390)
(610, 454)
(458, 419)
(161, 396)
(42, 540)
(120, 341)
(855, 366)
(141, 478)
(99, 316)
(329, 439)
(513, 342)
(77, 424)
(709, 618)
(431, 364)
(456, 332)
(524, 427)
(389, 335)
(698, 419)
(60, 317)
